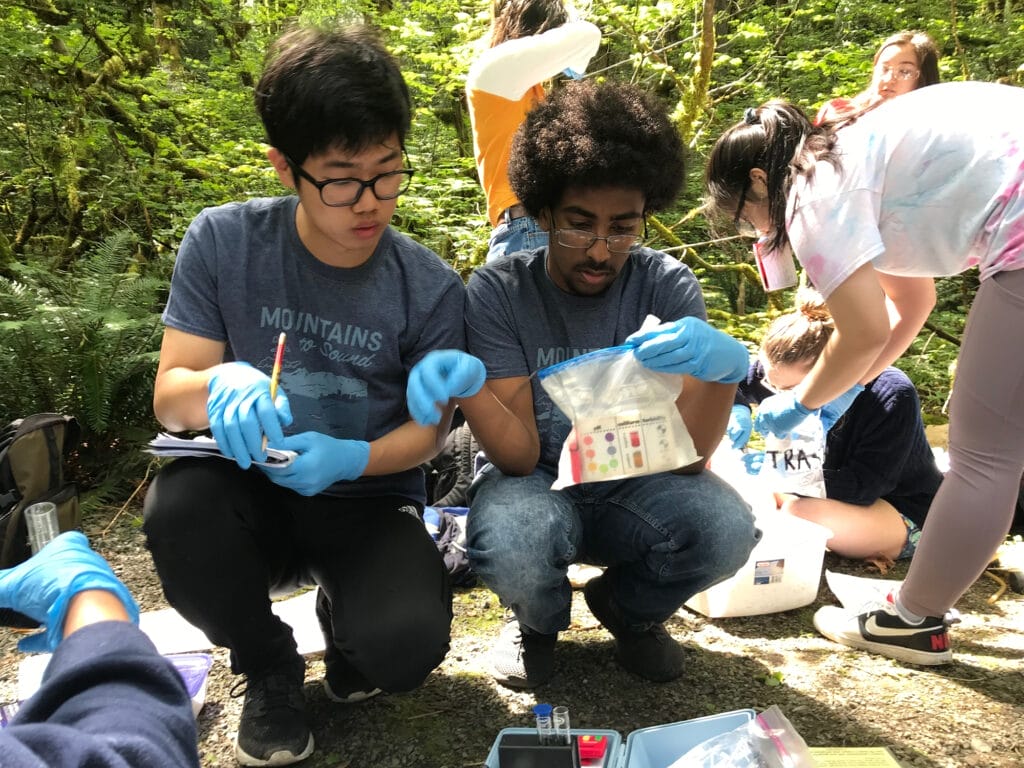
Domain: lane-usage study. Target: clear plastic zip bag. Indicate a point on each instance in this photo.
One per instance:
(767, 741)
(624, 416)
(795, 463)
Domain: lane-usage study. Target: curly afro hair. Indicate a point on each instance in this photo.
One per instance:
(587, 135)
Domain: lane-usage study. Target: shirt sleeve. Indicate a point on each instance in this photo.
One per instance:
(875, 449)
(491, 332)
(509, 70)
(833, 231)
(192, 305)
(108, 698)
(446, 329)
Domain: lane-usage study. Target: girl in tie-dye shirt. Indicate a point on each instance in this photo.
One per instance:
(921, 186)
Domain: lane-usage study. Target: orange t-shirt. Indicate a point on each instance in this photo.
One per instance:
(495, 121)
(504, 83)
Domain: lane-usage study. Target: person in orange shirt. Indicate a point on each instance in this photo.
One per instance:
(531, 41)
(903, 63)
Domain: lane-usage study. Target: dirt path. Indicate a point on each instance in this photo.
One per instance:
(970, 713)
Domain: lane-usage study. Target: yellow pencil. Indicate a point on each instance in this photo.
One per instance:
(275, 374)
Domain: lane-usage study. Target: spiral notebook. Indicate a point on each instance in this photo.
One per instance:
(169, 445)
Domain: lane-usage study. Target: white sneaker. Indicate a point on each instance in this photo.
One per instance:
(879, 628)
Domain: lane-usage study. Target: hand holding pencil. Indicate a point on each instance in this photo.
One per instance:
(244, 412)
(275, 374)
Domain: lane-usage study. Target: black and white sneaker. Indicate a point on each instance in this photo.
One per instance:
(273, 728)
(343, 683)
(880, 629)
(522, 658)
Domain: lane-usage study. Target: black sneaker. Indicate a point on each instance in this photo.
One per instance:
(273, 728)
(647, 650)
(523, 658)
(880, 629)
(344, 683)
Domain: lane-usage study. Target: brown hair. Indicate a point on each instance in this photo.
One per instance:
(798, 337)
(512, 19)
(924, 49)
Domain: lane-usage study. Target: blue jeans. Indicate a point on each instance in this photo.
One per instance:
(522, 234)
(663, 538)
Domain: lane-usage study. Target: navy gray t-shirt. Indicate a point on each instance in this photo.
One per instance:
(243, 275)
(518, 321)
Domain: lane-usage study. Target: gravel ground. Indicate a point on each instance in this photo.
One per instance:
(970, 713)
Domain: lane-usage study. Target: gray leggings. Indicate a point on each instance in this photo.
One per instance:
(973, 509)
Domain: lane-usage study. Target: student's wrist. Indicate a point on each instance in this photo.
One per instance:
(92, 606)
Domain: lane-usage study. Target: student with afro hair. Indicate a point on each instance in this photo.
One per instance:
(589, 164)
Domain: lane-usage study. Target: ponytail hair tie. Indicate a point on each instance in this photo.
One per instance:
(750, 116)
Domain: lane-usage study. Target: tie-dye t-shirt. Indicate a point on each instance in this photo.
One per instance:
(929, 185)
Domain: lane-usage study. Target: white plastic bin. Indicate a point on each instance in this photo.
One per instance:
(783, 572)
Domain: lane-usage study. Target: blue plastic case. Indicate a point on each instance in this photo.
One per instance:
(656, 747)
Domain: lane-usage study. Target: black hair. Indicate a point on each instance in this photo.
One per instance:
(512, 19)
(776, 137)
(596, 135)
(324, 89)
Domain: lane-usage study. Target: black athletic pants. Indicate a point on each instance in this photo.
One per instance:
(224, 540)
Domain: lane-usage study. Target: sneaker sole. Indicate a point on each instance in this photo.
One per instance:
(353, 698)
(898, 652)
(281, 757)
(518, 683)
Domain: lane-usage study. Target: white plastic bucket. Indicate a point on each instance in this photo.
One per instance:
(782, 573)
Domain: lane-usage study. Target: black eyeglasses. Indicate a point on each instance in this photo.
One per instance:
(339, 193)
(744, 227)
(580, 238)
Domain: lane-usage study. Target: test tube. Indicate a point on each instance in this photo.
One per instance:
(41, 523)
(560, 722)
(545, 731)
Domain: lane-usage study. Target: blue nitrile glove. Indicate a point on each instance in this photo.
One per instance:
(779, 414)
(833, 411)
(740, 425)
(572, 74)
(693, 347)
(241, 412)
(441, 375)
(753, 462)
(42, 587)
(322, 461)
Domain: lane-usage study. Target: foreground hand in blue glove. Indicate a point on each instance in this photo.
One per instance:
(753, 462)
(437, 378)
(42, 587)
(322, 461)
(779, 414)
(740, 426)
(833, 411)
(692, 347)
(241, 412)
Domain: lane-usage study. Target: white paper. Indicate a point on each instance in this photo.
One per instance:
(172, 634)
(857, 591)
(202, 446)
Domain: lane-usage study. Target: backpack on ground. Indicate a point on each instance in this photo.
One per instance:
(33, 453)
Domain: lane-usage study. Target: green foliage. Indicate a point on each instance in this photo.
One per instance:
(84, 341)
(123, 121)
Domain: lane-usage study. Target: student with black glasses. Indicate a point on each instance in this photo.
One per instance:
(590, 163)
(360, 304)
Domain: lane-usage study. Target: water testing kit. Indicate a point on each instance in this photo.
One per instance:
(656, 747)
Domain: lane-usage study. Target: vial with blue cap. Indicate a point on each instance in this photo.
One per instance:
(545, 728)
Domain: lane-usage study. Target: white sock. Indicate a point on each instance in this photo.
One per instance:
(907, 616)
